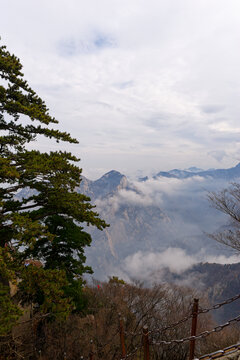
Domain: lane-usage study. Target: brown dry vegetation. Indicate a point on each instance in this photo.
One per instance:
(97, 330)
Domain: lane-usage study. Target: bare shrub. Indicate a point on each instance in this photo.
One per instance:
(97, 330)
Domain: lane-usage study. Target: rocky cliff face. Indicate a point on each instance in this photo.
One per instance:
(168, 211)
(106, 186)
(132, 225)
(153, 222)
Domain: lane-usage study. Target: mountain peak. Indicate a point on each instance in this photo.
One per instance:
(108, 184)
(112, 174)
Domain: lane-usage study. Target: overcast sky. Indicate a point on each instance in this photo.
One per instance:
(142, 84)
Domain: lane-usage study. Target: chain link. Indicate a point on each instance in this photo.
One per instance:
(218, 305)
(203, 335)
(229, 350)
(200, 311)
(160, 330)
(200, 336)
(186, 318)
(171, 326)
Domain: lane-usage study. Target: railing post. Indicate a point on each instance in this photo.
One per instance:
(121, 333)
(145, 343)
(91, 350)
(194, 328)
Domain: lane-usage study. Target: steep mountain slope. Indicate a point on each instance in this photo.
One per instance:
(133, 225)
(154, 216)
(149, 217)
(107, 185)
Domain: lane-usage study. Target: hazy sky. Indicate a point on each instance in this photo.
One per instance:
(142, 84)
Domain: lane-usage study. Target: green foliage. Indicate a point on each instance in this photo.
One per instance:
(40, 286)
(65, 251)
(115, 280)
(44, 222)
(9, 313)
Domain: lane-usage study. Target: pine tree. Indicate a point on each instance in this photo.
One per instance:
(41, 214)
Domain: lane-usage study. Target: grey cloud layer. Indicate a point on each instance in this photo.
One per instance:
(160, 224)
(147, 266)
(166, 71)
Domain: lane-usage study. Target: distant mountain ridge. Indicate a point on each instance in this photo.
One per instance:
(226, 174)
(114, 180)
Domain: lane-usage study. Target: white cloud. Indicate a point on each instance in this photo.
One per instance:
(143, 264)
(152, 192)
(170, 186)
(225, 127)
(124, 197)
(222, 259)
(146, 265)
(131, 80)
(161, 224)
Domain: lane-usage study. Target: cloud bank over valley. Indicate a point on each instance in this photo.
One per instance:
(158, 223)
